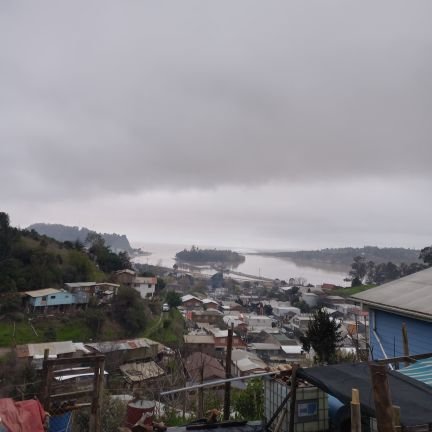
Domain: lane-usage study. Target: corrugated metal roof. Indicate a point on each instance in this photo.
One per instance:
(292, 349)
(126, 344)
(80, 284)
(72, 373)
(264, 346)
(42, 292)
(411, 295)
(140, 371)
(246, 364)
(128, 271)
(37, 350)
(120, 345)
(204, 339)
(107, 284)
(421, 370)
(209, 300)
(188, 297)
(207, 312)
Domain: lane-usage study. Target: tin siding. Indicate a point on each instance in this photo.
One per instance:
(388, 327)
(62, 298)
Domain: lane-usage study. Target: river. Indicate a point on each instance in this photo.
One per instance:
(257, 265)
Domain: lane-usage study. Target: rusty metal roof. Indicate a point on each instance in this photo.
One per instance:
(140, 371)
(121, 345)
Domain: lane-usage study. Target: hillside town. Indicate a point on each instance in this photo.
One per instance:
(241, 330)
(215, 216)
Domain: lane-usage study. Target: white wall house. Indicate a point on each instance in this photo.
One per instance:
(146, 286)
(257, 323)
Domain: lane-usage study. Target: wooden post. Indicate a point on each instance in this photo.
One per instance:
(201, 391)
(366, 331)
(98, 385)
(382, 398)
(405, 342)
(280, 420)
(44, 395)
(355, 411)
(396, 418)
(357, 339)
(227, 398)
(293, 397)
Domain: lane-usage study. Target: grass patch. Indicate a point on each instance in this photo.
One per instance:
(72, 328)
(168, 330)
(347, 292)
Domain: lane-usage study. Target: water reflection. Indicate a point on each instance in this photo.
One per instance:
(256, 265)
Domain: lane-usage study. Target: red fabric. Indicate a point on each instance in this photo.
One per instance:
(25, 416)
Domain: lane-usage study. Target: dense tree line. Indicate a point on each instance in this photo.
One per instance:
(106, 259)
(345, 255)
(197, 255)
(363, 271)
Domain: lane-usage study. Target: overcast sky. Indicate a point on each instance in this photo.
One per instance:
(271, 124)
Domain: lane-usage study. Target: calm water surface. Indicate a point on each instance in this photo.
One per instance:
(257, 265)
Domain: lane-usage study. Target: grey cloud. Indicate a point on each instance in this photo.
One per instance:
(109, 97)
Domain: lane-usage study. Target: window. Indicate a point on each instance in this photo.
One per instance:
(53, 297)
(44, 298)
(307, 410)
(149, 285)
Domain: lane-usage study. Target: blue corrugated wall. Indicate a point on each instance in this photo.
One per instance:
(388, 327)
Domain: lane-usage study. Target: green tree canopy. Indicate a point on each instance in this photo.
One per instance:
(129, 310)
(249, 403)
(173, 299)
(323, 335)
(426, 255)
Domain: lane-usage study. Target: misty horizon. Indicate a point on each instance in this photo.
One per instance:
(276, 125)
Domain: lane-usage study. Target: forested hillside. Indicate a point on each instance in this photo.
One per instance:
(29, 260)
(64, 233)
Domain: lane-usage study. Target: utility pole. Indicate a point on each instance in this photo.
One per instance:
(227, 398)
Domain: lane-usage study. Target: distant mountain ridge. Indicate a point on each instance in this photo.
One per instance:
(345, 255)
(117, 242)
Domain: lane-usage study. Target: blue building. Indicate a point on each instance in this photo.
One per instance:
(50, 299)
(407, 300)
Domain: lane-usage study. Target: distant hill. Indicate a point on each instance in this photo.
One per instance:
(64, 233)
(345, 255)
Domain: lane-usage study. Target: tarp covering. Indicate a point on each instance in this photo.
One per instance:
(25, 416)
(413, 397)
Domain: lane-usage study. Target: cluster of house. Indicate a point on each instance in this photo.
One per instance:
(261, 341)
(257, 342)
(79, 294)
